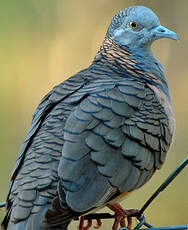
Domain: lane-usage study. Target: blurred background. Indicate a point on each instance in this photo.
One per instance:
(44, 42)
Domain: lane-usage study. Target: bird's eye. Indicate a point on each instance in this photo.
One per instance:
(133, 25)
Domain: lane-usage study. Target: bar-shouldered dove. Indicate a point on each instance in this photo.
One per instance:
(97, 136)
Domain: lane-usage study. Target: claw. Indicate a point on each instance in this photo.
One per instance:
(81, 223)
(89, 223)
(99, 224)
(121, 215)
(122, 223)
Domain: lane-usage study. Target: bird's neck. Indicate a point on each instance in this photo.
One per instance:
(139, 64)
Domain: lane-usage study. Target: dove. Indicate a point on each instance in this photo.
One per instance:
(98, 136)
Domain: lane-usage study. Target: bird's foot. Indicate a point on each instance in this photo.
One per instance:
(122, 214)
(99, 224)
(89, 223)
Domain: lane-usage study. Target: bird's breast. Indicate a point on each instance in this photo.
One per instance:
(164, 101)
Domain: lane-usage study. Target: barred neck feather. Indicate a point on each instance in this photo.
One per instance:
(130, 63)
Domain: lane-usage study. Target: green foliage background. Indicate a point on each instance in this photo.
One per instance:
(42, 42)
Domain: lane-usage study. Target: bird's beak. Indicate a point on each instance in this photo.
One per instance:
(163, 32)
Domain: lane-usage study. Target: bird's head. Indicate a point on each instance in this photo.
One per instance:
(137, 27)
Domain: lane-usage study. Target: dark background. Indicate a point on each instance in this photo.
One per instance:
(44, 42)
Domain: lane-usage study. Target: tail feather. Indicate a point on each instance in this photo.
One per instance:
(46, 219)
(58, 216)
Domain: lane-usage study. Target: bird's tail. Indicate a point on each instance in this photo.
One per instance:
(45, 219)
(56, 217)
(59, 216)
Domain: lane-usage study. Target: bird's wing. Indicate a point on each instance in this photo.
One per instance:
(59, 93)
(114, 141)
(33, 171)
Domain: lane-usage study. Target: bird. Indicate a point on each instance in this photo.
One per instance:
(99, 135)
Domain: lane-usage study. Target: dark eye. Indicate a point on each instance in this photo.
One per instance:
(133, 25)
